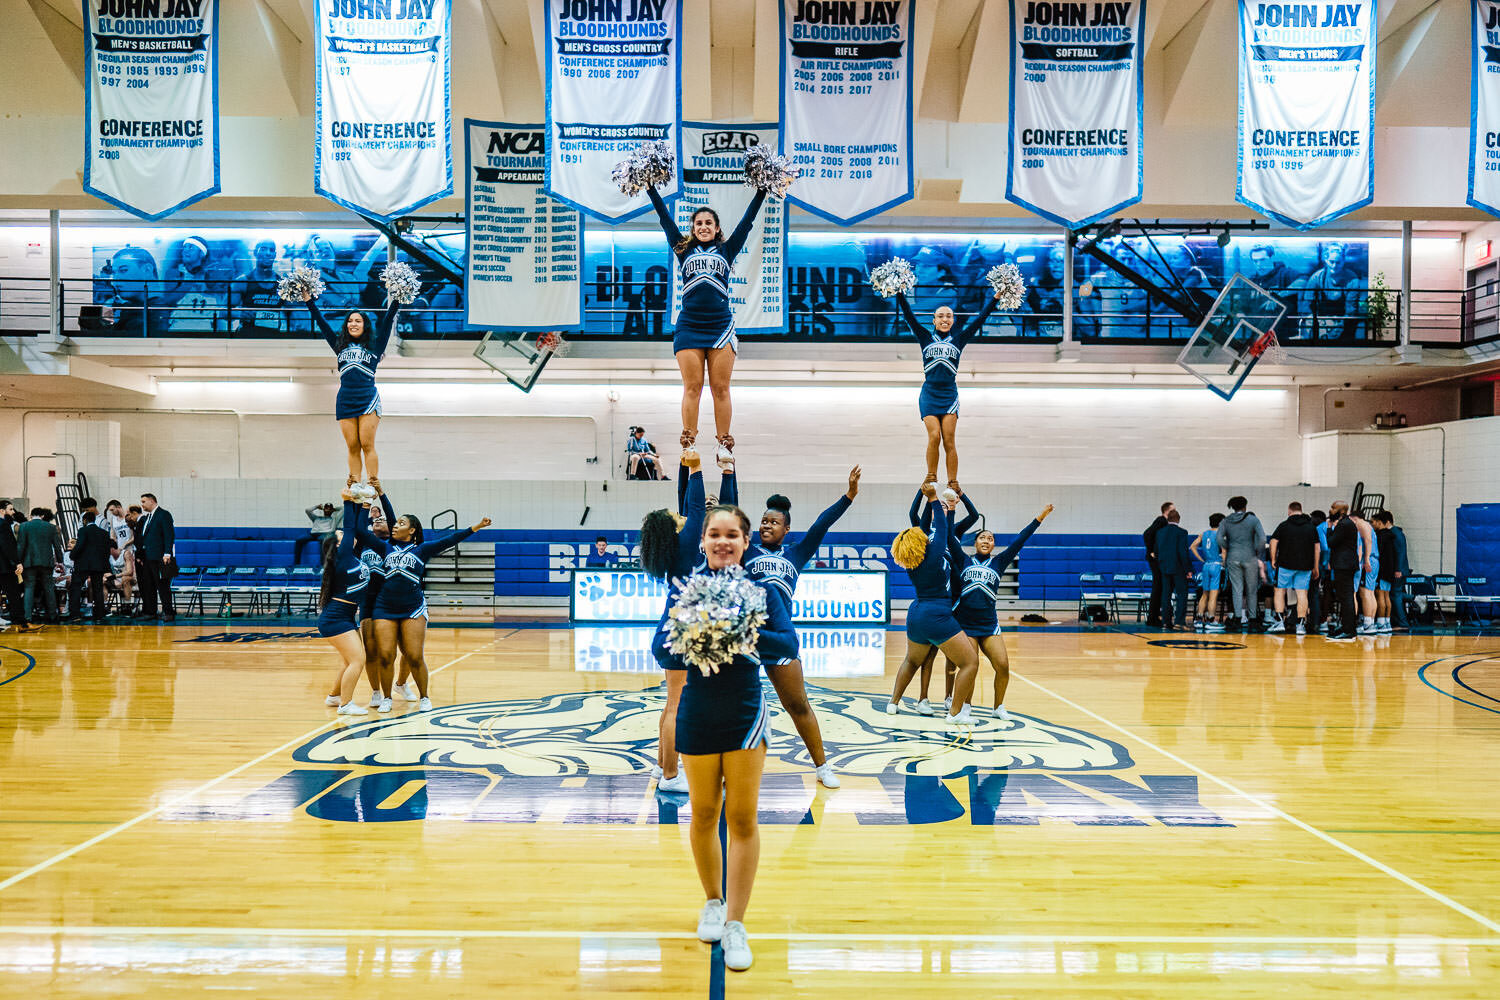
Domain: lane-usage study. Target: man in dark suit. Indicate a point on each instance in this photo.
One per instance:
(91, 551)
(154, 563)
(41, 550)
(1153, 611)
(1343, 559)
(10, 565)
(1175, 564)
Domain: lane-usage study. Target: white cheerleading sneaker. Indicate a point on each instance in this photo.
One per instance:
(655, 772)
(410, 689)
(711, 921)
(924, 707)
(826, 777)
(736, 945)
(353, 708)
(891, 708)
(676, 783)
(424, 705)
(385, 705)
(332, 701)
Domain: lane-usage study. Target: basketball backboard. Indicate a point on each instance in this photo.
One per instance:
(520, 357)
(1237, 332)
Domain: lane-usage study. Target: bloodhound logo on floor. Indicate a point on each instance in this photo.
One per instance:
(586, 758)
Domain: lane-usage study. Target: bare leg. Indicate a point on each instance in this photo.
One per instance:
(916, 652)
(720, 370)
(994, 650)
(934, 440)
(666, 752)
(349, 427)
(950, 445)
(352, 650)
(367, 425)
(372, 653)
(742, 771)
(960, 649)
(691, 364)
(412, 639)
(386, 630)
(1302, 604)
(925, 680)
(950, 670)
(705, 794)
(786, 678)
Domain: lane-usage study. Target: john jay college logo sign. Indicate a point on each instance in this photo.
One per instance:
(586, 758)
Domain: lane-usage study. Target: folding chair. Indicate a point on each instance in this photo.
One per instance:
(278, 585)
(1439, 581)
(306, 584)
(240, 585)
(1127, 588)
(211, 583)
(1470, 593)
(1093, 593)
(1417, 586)
(187, 590)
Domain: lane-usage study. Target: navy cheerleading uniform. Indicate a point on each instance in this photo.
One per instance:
(929, 620)
(778, 569)
(707, 320)
(977, 581)
(350, 576)
(940, 357)
(692, 506)
(357, 362)
(376, 561)
(405, 564)
(727, 711)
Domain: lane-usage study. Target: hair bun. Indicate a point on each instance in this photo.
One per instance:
(778, 502)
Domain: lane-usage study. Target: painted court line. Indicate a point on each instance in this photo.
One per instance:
(173, 803)
(1348, 849)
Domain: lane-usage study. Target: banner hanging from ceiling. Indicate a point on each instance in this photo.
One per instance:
(1484, 109)
(713, 173)
(1076, 95)
(524, 248)
(846, 104)
(151, 115)
(384, 118)
(1307, 110)
(614, 71)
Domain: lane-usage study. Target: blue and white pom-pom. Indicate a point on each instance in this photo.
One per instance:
(651, 164)
(768, 172)
(895, 275)
(401, 283)
(717, 617)
(301, 284)
(1009, 286)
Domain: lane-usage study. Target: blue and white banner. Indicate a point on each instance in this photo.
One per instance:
(846, 105)
(614, 80)
(713, 173)
(1076, 94)
(1307, 110)
(1484, 108)
(822, 597)
(384, 120)
(151, 115)
(524, 248)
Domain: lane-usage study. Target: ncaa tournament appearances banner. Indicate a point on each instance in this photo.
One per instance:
(151, 142)
(846, 114)
(385, 130)
(614, 71)
(1484, 111)
(1076, 91)
(1307, 110)
(524, 248)
(713, 173)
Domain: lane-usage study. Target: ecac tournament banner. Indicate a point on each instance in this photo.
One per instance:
(385, 130)
(614, 70)
(1076, 93)
(1484, 110)
(846, 114)
(713, 173)
(1307, 110)
(525, 249)
(151, 117)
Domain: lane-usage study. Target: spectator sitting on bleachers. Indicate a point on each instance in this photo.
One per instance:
(601, 556)
(325, 518)
(641, 459)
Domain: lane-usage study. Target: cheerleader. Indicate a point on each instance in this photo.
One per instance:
(977, 579)
(929, 620)
(400, 610)
(704, 337)
(721, 734)
(777, 565)
(955, 585)
(670, 551)
(359, 346)
(345, 577)
(941, 350)
(379, 526)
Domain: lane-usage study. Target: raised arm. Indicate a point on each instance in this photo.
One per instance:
(925, 520)
(390, 512)
(1012, 550)
(729, 489)
(683, 475)
(972, 327)
(383, 330)
(801, 553)
(664, 215)
(322, 324)
(736, 241)
(353, 521)
(691, 534)
(429, 549)
(970, 519)
(918, 330)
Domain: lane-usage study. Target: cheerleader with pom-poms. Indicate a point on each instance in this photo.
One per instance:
(704, 339)
(942, 348)
(358, 345)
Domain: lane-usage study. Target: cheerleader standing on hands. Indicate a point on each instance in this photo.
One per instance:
(359, 346)
(721, 734)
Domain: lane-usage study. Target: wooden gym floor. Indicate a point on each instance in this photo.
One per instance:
(1210, 817)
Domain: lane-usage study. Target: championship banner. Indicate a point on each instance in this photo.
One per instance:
(614, 71)
(846, 111)
(385, 126)
(1307, 110)
(151, 104)
(1484, 108)
(1076, 96)
(713, 162)
(524, 248)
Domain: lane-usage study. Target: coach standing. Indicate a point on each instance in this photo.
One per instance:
(1343, 558)
(90, 562)
(155, 565)
(1153, 612)
(10, 565)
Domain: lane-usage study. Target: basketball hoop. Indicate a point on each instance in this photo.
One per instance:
(1268, 349)
(552, 342)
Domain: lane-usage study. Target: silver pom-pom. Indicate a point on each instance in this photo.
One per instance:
(895, 275)
(301, 284)
(768, 172)
(1009, 286)
(651, 164)
(401, 283)
(716, 618)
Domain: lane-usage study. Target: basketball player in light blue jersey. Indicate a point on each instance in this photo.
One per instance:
(1205, 549)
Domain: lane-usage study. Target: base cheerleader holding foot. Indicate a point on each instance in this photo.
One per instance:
(722, 720)
(344, 579)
